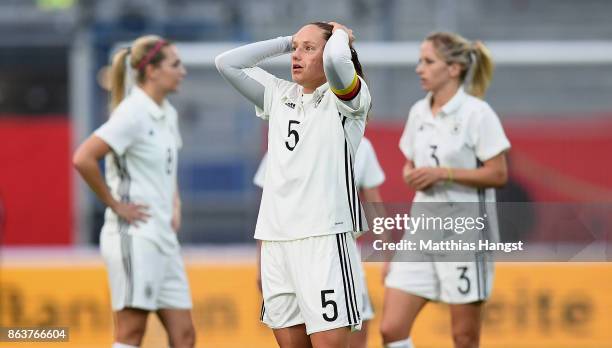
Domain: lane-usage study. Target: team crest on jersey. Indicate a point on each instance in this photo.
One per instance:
(290, 104)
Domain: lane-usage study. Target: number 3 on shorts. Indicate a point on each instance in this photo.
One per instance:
(464, 290)
(325, 302)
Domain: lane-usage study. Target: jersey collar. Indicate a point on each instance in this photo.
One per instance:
(453, 104)
(151, 106)
(294, 94)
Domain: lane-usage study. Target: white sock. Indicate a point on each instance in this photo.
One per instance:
(407, 343)
(122, 345)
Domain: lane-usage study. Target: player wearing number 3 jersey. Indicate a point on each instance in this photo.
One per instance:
(455, 152)
(310, 207)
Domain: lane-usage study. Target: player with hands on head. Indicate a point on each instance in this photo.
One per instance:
(310, 209)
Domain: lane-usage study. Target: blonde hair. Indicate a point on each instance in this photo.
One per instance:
(144, 51)
(473, 57)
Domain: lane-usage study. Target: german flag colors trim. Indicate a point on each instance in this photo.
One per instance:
(349, 92)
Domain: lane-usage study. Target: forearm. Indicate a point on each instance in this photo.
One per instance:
(231, 65)
(90, 172)
(339, 69)
(483, 177)
(177, 199)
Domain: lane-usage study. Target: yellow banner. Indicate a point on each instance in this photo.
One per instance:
(533, 305)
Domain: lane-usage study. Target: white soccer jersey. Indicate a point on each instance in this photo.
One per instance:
(309, 188)
(260, 174)
(141, 168)
(464, 134)
(368, 173)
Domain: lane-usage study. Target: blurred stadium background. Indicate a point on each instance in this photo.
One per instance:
(552, 89)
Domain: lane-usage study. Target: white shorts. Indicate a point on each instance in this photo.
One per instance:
(449, 282)
(313, 281)
(143, 277)
(367, 311)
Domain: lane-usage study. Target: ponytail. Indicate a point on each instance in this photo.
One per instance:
(482, 70)
(474, 58)
(118, 71)
(129, 65)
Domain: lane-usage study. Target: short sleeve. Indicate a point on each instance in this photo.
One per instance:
(406, 143)
(488, 135)
(119, 132)
(270, 84)
(373, 174)
(260, 175)
(362, 109)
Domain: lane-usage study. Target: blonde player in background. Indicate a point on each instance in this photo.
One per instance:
(368, 177)
(140, 143)
(455, 152)
(310, 207)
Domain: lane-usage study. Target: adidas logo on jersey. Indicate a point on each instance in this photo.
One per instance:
(290, 104)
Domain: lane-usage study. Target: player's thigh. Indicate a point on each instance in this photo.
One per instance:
(130, 325)
(335, 338)
(324, 270)
(292, 337)
(466, 317)
(400, 310)
(178, 324)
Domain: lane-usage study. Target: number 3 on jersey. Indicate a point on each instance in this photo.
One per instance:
(292, 133)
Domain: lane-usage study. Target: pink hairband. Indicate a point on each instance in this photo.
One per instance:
(151, 54)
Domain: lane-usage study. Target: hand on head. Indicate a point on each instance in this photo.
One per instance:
(343, 27)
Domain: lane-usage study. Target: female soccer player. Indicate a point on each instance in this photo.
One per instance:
(140, 143)
(454, 146)
(368, 177)
(310, 205)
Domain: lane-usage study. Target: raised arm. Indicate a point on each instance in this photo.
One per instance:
(339, 69)
(233, 64)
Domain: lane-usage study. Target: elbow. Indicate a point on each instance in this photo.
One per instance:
(501, 179)
(79, 160)
(220, 62)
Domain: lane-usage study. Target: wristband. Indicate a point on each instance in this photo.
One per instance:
(450, 178)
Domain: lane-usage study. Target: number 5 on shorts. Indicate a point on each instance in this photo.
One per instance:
(325, 303)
